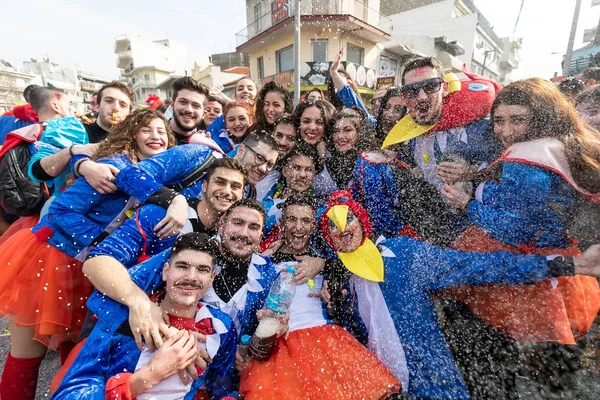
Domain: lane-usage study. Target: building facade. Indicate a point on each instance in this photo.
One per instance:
(149, 67)
(12, 83)
(327, 27)
(455, 32)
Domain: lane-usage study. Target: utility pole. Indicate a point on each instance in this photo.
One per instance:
(569, 53)
(297, 26)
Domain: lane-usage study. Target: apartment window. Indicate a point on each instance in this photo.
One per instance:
(147, 77)
(319, 50)
(257, 15)
(284, 59)
(355, 54)
(260, 64)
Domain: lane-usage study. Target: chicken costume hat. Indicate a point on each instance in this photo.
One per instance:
(366, 261)
(468, 100)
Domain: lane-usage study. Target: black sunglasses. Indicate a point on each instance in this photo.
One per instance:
(430, 86)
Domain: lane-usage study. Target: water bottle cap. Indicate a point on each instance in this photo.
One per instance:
(245, 339)
(290, 269)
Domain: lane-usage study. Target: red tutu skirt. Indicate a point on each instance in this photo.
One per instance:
(42, 288)
(323, 362)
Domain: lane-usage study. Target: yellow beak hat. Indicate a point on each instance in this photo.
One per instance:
(366, 261)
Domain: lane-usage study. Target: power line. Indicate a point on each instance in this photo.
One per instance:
(518, 17)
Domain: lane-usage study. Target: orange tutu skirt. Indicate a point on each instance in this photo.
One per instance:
(323, 362)
(42, 288)
(531, 313)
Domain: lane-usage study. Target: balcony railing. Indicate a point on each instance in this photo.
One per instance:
(354, 8)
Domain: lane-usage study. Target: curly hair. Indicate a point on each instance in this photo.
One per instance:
(122, 139)
(259, 117)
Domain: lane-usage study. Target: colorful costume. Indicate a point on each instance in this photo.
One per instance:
(400, 306)
(110, 353)
(528, 211)
(403, 205)
(318, 360)
(42, 285)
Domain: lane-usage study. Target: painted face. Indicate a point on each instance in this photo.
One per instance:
(245, 90)
(314, 96)
(225, 187)
(286, 137)
(189, 275)
(345, 135)
(152, 139)
(590, 113)
(237, 123)
(214, 109)
(188, 110)
(350, 239)
(393, 112)
(298, 226)
(511, 123)
(241, 232)
(274, 106)
(312, 125)
(299, 173)
(114, 107)
(425, 98)
(257, 161)
(64, 105)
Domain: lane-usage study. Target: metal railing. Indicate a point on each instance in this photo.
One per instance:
(356, 8)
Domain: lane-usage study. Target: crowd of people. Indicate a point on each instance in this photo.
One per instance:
(444, 239)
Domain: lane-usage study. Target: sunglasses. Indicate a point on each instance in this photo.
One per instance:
(429, 86)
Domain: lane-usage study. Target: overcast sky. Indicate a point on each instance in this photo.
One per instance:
(80, 33)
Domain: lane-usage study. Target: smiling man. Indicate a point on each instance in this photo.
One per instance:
(258, 155)
(190, 99)
(124, 372)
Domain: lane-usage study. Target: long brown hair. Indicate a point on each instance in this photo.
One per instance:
(122, 138)
(554, 116)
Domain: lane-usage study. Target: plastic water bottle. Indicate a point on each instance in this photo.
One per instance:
(279, 300)
(243, 347)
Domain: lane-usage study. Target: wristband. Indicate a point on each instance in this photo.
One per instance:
(76, 172)
(71, 150)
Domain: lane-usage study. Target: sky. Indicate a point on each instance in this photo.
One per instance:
(80, 33)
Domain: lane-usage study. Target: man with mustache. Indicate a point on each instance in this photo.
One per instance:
(110, 364)
(240, 288)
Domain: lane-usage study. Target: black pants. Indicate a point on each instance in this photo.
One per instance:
(497, 367)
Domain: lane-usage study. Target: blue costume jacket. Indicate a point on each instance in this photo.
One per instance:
(412, 269)
(9, 123)
(375, 188)
(219, 134)
(350, 99)
(529, 204)
(108, 352)
(81, 214)
(170, 167)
